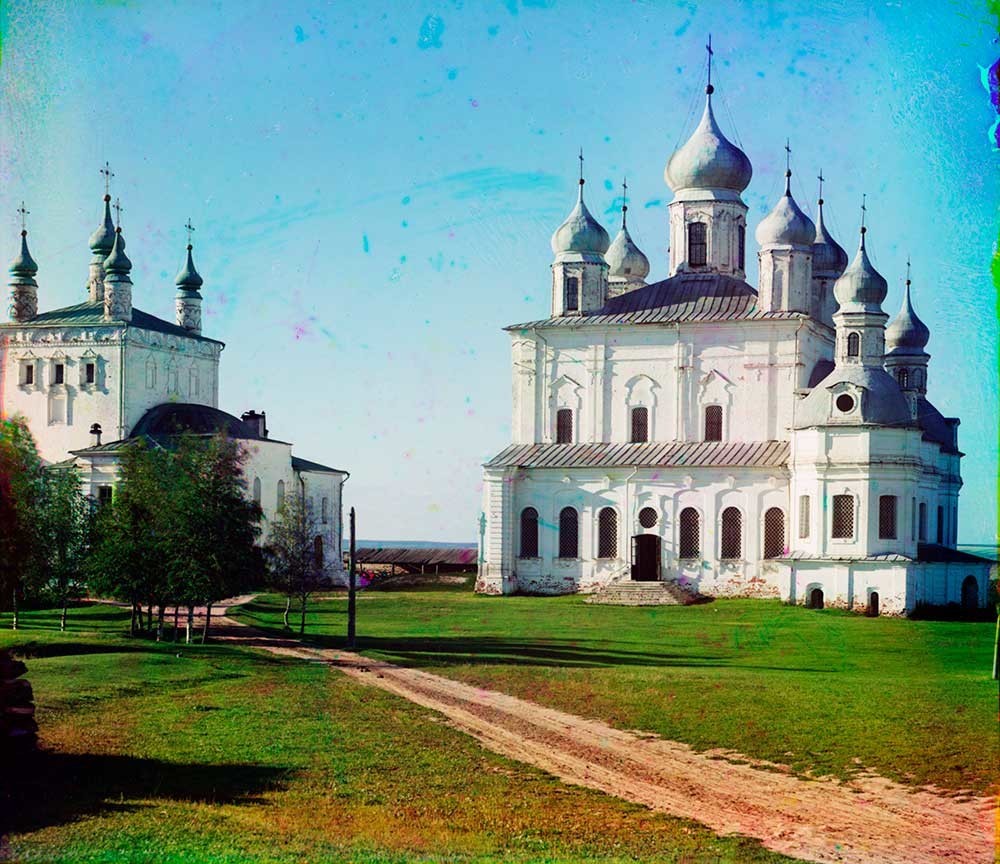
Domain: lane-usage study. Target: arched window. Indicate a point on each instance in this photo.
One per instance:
(281, 494)
(732, 534)
(940, 525)
(697, 244)
(529, 533)
(607, 533)
(843, 517)
(569, 533)
(318, 552)
(853, 345)
(741, 241)
(873, 604)
(970, 593)
(903, 377)
(887, 517)
(572, 293)
(689, 542)
(256, 489)
(774, 533)
(713, 423)
(640, 424)
(564, 426)
(922, 523)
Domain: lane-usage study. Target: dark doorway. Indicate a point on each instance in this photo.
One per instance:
(970, 593)
(816, 598)
(873, 604)
(646, 558)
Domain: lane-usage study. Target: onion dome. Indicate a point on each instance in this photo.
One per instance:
(23, 268)
(103, 238)
(708, 160)
(581, 232)
(907, 334)
(828, 255)
(786, 224)
(861, 288)
(118, 261)
(626, 260)
(188, 278)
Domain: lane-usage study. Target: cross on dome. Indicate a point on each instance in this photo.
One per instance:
(190, 230)
(23, 213)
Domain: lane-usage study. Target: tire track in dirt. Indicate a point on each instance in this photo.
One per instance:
(868, 820)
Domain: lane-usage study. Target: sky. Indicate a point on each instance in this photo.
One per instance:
(373, 188)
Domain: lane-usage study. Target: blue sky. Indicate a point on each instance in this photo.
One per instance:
(374, 187)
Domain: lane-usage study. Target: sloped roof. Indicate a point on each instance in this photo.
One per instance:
(92, 315)
(658, 454)
(170, 418)
(933, 553)
(681, 298)
(934, 426)
(416, 555)
(299, 464)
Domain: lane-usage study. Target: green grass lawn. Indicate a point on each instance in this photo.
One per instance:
(822, 691)
(166, 753)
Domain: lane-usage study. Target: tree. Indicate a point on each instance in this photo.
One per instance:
(295, 555)
(64, 525)
(21, 484)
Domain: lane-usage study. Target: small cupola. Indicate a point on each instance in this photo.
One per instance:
(187, 301)
(23, 287)
(628, 267)
(786, 224)
(906, 358)
(117, 281)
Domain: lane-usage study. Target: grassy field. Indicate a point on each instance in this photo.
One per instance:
(165, 753)
(826, 692)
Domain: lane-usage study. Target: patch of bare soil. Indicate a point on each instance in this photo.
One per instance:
(869, 819)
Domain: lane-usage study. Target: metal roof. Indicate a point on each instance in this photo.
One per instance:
(416, 555)
(662, 454)
(884, 557)
(92, 315)
(681, 298)
(299, 464)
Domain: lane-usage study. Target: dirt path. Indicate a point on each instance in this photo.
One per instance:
(870, 819)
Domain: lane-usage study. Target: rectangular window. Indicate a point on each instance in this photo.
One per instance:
(887, 517)
(640, 425)
(572, 298)
(913, 519)
(940, 525)
(564, 426)
(843, 517)
(59, 374)
(103, 495)
(803, 516)
(697, 244)
(713, 423)
(90, 373)
(742, 241)
(922, 523)
(29, 373)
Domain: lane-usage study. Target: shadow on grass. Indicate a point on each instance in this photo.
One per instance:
(56, 788)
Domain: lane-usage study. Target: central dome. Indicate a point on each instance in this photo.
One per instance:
(708, 160)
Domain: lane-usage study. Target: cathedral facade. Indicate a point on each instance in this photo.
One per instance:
(93, 377)
(770, 442)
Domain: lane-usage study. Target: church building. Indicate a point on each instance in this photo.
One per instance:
(721, 439)
(92, 377)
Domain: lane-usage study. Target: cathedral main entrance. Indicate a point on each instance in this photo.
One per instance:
(645, 558)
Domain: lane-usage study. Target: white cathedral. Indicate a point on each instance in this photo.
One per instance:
(775, 442)
(103, 367)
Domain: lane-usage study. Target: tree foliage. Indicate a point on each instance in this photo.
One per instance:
(295, 555)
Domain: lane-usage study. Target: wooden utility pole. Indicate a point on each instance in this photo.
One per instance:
(351, 599)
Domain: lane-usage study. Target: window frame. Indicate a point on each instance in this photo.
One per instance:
(533, 546)
(731, 511)
(634, 412)
(741, 246)
(887, 531)
(765, 548)
(564, 535)
(571, 291)
(701, 243)
(852, 536)
(607, 534)
(564, 433)
(854, 344)
(714, 407)
(805, 516)
(922, 522)
(684, 539)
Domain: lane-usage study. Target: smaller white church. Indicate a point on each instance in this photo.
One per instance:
(92, 377)
(726, 440)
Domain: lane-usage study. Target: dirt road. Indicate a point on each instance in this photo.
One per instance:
(870, 819)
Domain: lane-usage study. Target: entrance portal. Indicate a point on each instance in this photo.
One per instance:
(873, 604)
(646, 558)
(816, 598)
(970, 593)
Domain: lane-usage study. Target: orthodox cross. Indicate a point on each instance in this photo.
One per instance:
(23, 213)
(190, 230)
(624, 199)
(820, 178)
(864, 210)
(788, 156)
(108, 174)
(708, 48)
(117, 206)
(581, 166)
(907, 271)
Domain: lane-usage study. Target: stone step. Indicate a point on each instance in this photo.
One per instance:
(626, 593)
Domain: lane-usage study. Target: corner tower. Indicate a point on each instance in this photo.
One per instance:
(707, 216)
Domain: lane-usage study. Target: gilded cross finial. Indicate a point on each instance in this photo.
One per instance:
(108, 174)
(864, 210)
(23, 213)
(624, 199)
(820, 178)
(190, 230)
(581, 166)
(117, 207)
(788, 157)
(907, 271)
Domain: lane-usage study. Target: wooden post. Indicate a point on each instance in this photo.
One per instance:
(351, 599)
